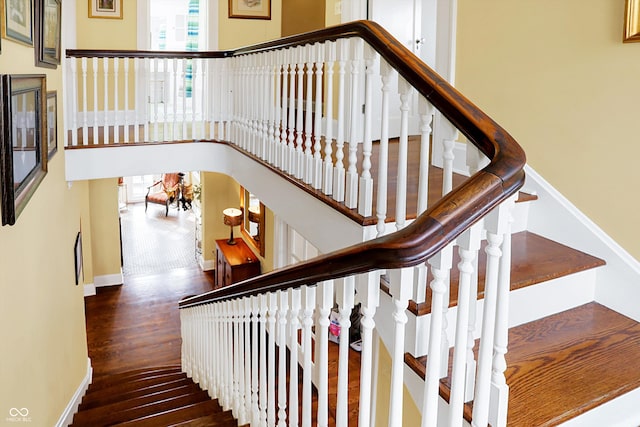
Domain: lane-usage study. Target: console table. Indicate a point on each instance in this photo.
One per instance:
(234, 263)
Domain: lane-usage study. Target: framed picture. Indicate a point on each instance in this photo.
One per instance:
(47, 33)
(110, 9)
(632, 21)
(250, 9)
(52, 124)
(77, 258)
(17, 23)
(23, 155)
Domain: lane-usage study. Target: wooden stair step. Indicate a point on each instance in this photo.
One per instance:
(564, 365)
(135, 384)
(208, 421)
(93, 401)
(534, 259)
(108, 380)
(180, 415)
(104, 411)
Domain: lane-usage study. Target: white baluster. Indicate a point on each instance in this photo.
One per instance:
(406, 90)
(325, 302)
(368, 296)
(299, 168)
(272, 101)
(307, 175)
(291, 168)
(468, 246)
(282, 358)
(96, 137)
(183, 78)
(255, 354)
(147, 114)
(294, 325)
(317, 127)
(116, 104)
(339, 171)
(105, 128)
(386, 71)
(137, 104)
(351, 190)
(74, 101)
(85, 132)
(278, 110)
(271, 369)
(239, 361)
(308, 304)
(365, 203)
(174, 99)
(495, 223)
(400, 288)
(263, 360)
(345, 300)
(440, 266)
(126, 99)
(247, 358)
(499, 389)
(327, 183)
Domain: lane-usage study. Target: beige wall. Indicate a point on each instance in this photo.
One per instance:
(301, 16)
(234, 32)
(42, 325)
(105, 226)
(557, 76)
(107, 33)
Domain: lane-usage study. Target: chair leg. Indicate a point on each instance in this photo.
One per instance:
(146, 203)
(166, 212)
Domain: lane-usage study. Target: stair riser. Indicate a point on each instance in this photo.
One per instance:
(525, 305)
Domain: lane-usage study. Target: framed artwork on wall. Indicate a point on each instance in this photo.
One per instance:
(250, 9)
(17, 21)
(632, 21)
(109, 9)
(47, 32)
(52, 123)
(23, 154)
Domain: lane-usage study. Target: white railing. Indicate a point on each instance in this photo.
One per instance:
(307, 106)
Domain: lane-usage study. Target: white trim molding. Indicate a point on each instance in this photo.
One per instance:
(89, 289)
(108, 280)
(66, 418)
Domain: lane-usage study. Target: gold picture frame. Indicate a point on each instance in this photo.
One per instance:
(107, 9)
(250, 9)
(631, 21)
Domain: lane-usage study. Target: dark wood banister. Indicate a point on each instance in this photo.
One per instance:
(432, 230)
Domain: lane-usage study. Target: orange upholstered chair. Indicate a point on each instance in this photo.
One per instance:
(163, 192)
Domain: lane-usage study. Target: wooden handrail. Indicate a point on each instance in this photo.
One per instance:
(432, 230)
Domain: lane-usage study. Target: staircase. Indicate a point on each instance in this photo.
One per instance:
(151, 397)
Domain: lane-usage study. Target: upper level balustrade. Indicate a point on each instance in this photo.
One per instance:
(331, 109)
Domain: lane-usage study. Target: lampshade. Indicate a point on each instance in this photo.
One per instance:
(254, 213)
(232, 217)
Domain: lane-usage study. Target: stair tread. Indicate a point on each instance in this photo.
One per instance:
(134, 384)
(176, 416)
(208, 421)
(534, 258)
(103, 412)
(565, 364)
(96, 400)
(108, 380)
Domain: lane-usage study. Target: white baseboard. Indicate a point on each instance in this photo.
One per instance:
(108, 280)
(207, 264)
(66, 418)
(89, 289)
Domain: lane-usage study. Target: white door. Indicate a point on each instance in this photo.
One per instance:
(412, 22)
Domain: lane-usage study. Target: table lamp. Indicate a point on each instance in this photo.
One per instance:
(232, 217)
